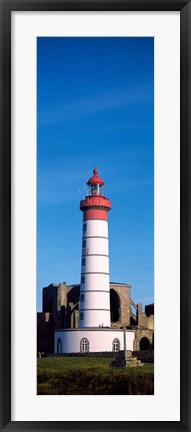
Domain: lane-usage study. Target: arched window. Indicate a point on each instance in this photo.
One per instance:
(84, 345)
(59, 346)
(116, 344)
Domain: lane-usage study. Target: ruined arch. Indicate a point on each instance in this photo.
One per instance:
(115, 306)
(144, 344)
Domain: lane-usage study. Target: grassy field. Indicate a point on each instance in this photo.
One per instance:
(92, 376)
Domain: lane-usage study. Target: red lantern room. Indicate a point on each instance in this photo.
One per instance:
(95, 184)
(95, 205)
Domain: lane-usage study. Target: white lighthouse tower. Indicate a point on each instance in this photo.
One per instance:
(94, 333)
(94, 287)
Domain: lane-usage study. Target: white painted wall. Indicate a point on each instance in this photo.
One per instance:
(96, 273)
(93, 301)
(96, 227)
(95, 318)
(97, 245)
(99, 340)
(95, 282)
(96, 263)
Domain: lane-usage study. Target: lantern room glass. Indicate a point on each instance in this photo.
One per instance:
(95, 189)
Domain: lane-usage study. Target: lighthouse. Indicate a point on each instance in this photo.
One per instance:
(94, 286)
(94, 332)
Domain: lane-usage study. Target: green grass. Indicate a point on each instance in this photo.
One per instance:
(92, 376)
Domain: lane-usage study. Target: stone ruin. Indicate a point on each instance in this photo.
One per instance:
(61, 311)
(125, 359)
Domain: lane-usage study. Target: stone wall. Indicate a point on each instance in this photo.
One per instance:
(62, 296)
(144, 319)
(123, 292)
(144, 339)
(150, 322)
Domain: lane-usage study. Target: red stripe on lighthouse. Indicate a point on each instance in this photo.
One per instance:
(95, 214)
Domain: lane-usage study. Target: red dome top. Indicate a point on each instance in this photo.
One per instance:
(95, 179)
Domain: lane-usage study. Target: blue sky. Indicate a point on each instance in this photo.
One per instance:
(96, 109)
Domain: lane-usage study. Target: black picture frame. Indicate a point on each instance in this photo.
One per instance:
(7, 7)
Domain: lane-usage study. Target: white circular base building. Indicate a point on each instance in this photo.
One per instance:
(93, 340)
